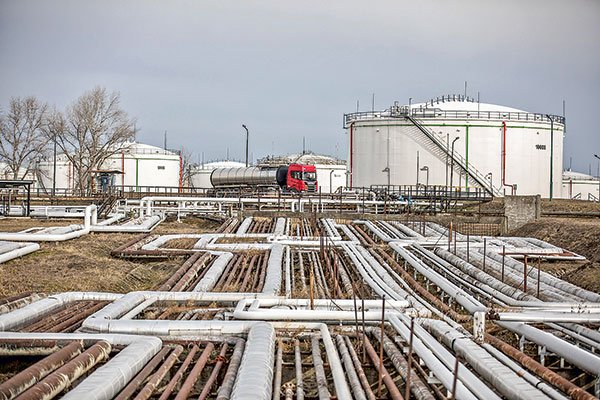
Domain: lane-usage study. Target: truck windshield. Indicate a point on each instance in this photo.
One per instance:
(310, 176)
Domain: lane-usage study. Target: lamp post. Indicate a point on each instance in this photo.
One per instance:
(595, 155)
(426, 168)
(247, 137)
(490, 177)
(452, 162)
(330, 181)
(387, 170)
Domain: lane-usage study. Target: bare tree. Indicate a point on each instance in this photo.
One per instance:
(95, 128)
(186, 167)
(22, 137)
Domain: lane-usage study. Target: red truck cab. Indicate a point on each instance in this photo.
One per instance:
(302, 178)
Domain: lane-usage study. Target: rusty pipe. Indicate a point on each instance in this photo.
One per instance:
(29, 376)
(215, 373)
(188, 384)
(359, 370)
(135, 383)
(226, 388)
(57, 381)
(158, 376)
(574, 391)
(179, 374)
(393, 391)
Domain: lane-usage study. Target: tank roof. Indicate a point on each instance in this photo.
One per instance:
(306, 158)
(221, 164)
(142, 148)
(460, 103)
(580, 176)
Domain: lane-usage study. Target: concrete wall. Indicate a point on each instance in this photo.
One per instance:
(520, 210)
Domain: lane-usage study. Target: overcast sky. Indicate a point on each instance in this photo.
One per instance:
(288, 69)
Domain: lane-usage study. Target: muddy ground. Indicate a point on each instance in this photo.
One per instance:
(85, 263)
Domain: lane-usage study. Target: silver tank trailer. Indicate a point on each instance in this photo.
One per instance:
(253, 176)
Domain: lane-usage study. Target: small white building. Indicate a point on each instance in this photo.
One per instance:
(135, 167)
(580, 186)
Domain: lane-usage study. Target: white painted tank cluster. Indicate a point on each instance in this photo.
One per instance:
(507, 150)
(135, 165)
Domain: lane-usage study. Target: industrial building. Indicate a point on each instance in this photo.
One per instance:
(133, 167)
(455, 142)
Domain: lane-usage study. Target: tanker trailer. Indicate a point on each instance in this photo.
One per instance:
(293, 177)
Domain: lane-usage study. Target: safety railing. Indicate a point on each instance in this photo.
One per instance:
(401, 112)
(412, 192)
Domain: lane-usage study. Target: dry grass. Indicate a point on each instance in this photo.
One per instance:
(82, 264)
(19, 224)
(85, 264)
(180, 243)
(187, 225)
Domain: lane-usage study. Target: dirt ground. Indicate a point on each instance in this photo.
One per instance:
(85, 263)
(579, 235)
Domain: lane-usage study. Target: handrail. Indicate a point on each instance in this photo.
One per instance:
(401, 112)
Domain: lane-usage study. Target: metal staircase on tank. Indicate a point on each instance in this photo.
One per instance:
(437, 147)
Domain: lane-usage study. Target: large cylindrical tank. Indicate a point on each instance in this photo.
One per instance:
(253, 176)
(503, 148)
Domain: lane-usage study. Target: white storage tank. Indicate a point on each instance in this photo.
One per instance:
(200, 174)
(455, 142)
(580, 186)
(134, 167)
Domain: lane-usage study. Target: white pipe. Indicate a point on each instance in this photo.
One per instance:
(255, 375)
(520, 371)
(509, 384)
(112, 219)
(461, 297)
(272, 284)
(325, 310)
(91, 215)
(211, 277)
(243, 228)
(19, 250)
(145, 224)
(33, 311)
(434, 364)
(109, 379)
(573, 354)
